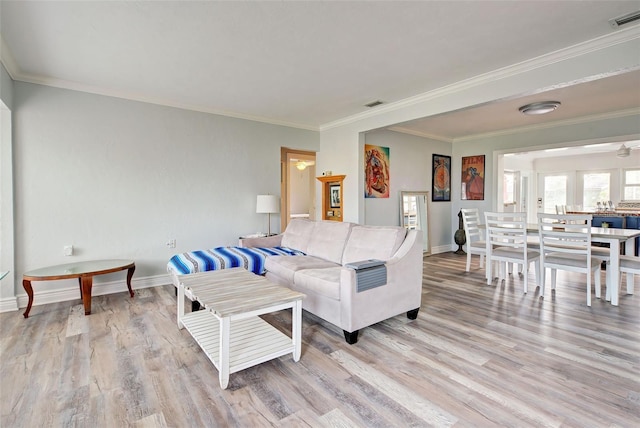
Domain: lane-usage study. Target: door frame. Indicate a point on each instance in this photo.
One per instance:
(285, 154)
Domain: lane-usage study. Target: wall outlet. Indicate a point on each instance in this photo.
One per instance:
(171, 243)
(68, 250)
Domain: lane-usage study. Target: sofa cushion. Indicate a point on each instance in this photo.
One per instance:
(286, 269)
(297, 234)
(328, 240)
(325, 282)
(373, 242)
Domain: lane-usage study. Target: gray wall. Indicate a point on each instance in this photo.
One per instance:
(410, 160)
(6, 87)
(604, 130)
(7, 302)
(118, 179)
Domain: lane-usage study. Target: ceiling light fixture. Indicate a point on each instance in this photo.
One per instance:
(540, 108)
(301, 165)
(623, 151)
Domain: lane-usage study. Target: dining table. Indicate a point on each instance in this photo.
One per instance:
(615, 238)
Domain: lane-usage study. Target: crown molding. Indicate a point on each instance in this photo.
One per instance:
(547, 125)
(617, 37)
(6, 58)
(16, 74)
(133, 96)
(560, 55)
(420, 134)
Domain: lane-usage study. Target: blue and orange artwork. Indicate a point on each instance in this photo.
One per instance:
(376, 171)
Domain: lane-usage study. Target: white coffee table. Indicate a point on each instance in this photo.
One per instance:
(228, 329)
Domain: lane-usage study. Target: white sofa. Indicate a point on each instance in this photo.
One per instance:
(330, 287)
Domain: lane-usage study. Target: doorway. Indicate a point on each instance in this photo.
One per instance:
(298, 184)
(556, 190)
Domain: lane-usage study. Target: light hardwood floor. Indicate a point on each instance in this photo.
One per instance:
(477, 355)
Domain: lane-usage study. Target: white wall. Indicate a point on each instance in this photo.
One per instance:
(301, 183)
(117, 178)
(410, 159)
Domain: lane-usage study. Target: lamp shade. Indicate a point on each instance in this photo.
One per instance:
(267, 204)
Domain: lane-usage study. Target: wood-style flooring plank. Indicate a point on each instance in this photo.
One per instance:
(478, 355)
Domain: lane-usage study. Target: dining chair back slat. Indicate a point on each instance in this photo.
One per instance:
(475, 239)
(507, 243)
(565, 243)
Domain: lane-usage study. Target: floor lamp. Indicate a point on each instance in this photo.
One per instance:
(268, 204)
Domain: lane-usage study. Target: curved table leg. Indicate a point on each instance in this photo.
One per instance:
(129, 275)
(27, 287)
(87, 284)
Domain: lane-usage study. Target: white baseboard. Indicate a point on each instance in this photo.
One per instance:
(440, 249)
(72, 293)
(8, 304)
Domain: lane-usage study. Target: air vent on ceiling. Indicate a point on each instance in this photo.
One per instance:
(625, 19)
(374, 104)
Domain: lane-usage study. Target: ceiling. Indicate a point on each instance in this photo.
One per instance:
(307, 64)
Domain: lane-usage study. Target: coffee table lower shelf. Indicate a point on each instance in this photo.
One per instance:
(252, 340)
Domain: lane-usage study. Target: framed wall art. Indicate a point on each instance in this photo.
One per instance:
(376, 171)
(473, 178)
(441, 178)
(334, 193)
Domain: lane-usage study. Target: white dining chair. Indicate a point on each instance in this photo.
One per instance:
(631, 266)
(565, 243)
(507, 243)
(476, 243)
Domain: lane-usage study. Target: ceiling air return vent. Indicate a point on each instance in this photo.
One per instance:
(625, 19)
(374, 104)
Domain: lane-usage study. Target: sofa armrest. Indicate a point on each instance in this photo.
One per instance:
(401, 293)
(263, 241)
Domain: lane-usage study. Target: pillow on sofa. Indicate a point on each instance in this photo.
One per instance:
(297, 234)
(328, 240)
(373, 242)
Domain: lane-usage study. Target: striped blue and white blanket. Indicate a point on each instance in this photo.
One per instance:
(252, 259)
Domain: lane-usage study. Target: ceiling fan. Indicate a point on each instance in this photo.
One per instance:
(623, 151)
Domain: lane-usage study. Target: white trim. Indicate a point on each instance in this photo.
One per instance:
(546, 125)
(7, 59)
(43, 297)
(8, 304)
(443, 249)
(583, 48)
(596, 44)
(402, 130)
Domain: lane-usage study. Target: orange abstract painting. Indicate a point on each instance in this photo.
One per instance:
(376, 171)
(473, 178)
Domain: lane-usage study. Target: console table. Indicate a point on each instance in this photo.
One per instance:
(84, 271)
(228, 329)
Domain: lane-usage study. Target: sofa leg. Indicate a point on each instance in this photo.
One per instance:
(413, 314)
(351, 337)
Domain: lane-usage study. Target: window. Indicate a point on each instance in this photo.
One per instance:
(631, 185)
(555, 192)
(596, 189)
